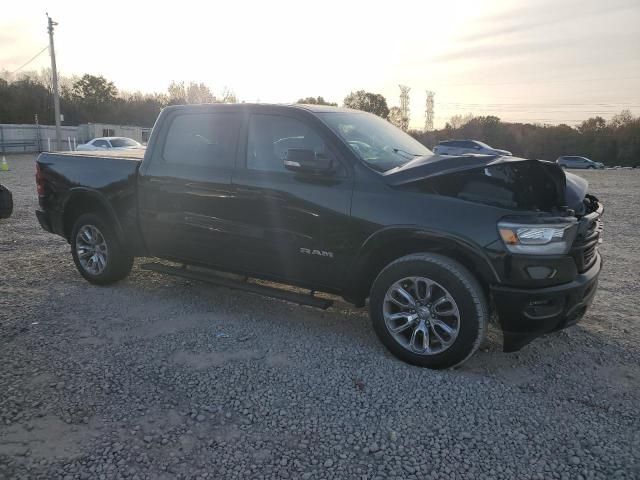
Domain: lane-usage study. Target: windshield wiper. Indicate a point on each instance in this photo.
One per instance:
(399, 150)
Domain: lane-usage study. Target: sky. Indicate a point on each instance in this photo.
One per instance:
(544, 61)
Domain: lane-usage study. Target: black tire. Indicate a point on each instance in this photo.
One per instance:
(463, 288)
(118, 261)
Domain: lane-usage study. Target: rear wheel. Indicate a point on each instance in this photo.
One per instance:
(428, 310)
(96, 251)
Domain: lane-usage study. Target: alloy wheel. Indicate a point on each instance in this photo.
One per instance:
(91, 248)
(421, 315)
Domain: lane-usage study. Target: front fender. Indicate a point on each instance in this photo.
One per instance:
(389, 243)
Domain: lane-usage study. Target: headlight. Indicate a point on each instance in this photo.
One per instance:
(540, 239)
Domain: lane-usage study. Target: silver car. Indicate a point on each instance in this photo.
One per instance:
(110, 143)
(462, 147)
(573, 161)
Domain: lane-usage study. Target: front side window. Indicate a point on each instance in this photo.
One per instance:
(201, 140)
(482, 145)
(270, 136)
(123, 142)
(376, 141)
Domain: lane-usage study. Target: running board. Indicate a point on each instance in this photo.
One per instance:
(215, 279)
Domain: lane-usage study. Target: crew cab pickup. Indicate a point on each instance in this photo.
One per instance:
(339, 201)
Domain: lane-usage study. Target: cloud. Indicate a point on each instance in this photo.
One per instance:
(574, 49)
(542, 15)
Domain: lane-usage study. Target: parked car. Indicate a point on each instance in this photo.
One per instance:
(572, 161)
(6, 202)
(356, 207)
(462, 147)
(110, 143)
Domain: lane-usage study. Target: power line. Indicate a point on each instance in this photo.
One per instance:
(551, 104)
(566, 80)
(31, 60)
(530, 110)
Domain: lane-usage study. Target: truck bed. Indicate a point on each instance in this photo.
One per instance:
(108, 177)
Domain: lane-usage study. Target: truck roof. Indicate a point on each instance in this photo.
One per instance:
(243, 106)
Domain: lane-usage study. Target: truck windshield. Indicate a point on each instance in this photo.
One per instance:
(376, 141)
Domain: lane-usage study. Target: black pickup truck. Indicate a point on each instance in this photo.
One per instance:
(338, 201)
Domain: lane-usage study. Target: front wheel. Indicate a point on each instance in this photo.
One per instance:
(428, 310)
(96, 251)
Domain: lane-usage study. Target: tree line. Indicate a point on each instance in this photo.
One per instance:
(91, 98)
(613, 142)
(95, 99)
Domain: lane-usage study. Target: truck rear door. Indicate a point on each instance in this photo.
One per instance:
(184, 187)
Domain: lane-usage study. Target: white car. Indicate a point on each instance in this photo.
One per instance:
(463, 147)
(110, 143)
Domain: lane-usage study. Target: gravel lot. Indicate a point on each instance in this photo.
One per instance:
(160, 377)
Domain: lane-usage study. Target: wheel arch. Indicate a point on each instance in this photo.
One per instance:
(389, 244)
(84, 200)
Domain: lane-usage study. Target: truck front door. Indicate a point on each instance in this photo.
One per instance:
(291, 226)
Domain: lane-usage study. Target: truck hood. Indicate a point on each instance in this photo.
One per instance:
(505, 181)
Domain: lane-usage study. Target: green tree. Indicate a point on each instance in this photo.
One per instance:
(396, 117)
(457, 121)
(192, 94)
(95, 90)
(316, 101)
(368, 102)
(177, 93)
(199, 93)
(229, 96)
(96, 96)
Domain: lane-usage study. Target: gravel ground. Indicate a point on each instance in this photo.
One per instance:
(159, 377)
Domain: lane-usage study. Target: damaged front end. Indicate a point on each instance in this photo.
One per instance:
(546, 246)
(507, 182)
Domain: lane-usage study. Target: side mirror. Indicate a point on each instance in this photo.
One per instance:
(307, 161)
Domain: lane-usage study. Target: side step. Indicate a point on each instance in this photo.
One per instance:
(215, 279)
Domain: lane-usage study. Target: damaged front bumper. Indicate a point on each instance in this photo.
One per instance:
(526, 314)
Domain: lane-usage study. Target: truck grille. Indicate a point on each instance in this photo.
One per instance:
(585, 246)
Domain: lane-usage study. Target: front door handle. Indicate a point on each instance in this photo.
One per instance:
(159, 180)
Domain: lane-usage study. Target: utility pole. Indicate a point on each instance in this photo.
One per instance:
(54, 81)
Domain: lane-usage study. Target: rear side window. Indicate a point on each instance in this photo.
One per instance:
(101, 143)
(270, 136)
(202, 140)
